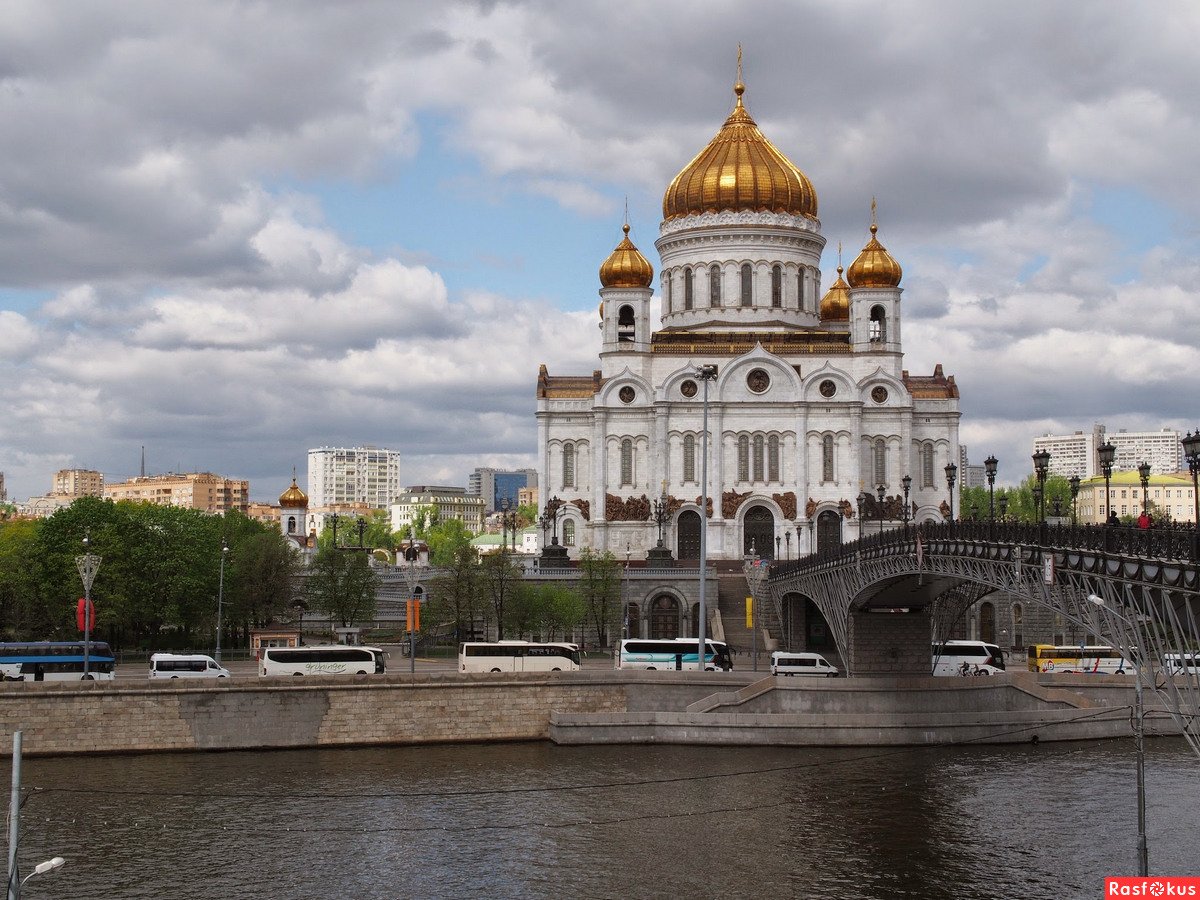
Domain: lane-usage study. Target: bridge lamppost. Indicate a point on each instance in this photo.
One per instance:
(862, 508)
(787, 539)
(1003, 501)
(1041, 468)
(1074, 482)
(951, 477)
(906, 482)
(990, 465)
(1191, 450)
(880, 491)
(1107, 453)
(1144, 474)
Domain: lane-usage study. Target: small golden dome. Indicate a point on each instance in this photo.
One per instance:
(874, 267)
(626, 267)
(835, 305)
(740, 170)
(293, 497)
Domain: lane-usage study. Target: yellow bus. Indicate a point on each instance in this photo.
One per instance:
(1065, 660)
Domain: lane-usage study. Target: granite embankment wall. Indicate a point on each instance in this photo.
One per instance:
(272, 713)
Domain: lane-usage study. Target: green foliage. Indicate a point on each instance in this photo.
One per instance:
(446, 540)
(600, 590)
(499, 577)
(527, 514)
(342, 584)
(455, 593)
(1020, 500)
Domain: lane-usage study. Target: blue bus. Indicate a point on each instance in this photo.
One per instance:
(55, 661)
(673, 653)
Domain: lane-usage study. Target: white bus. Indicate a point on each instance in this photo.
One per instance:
(673, 653)
(967, 658)
(517, 656)
(331, 659)
(185, 665)
(56, 661)
(1182, 663)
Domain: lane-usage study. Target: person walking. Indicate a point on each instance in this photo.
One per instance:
(1112, 518)
(1144, 520)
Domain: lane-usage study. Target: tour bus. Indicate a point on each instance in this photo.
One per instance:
(1182, 663)
(185, 665)
(1092, 660)
(330, 659)
(813, 665)
(517, 656)
(673, 653)
(55, 661)
(967, 658)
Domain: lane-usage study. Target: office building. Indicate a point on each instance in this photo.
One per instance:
(494, 485)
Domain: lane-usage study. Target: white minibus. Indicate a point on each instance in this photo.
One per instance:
(1182, 663)
(967, 658)
(185, 665)
(813, 665)
(329, 659)
(517, 656)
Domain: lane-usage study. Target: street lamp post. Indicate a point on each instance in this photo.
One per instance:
(1003, 501)
(1191, 450)
(333, 520)
(221, 596)
(1074, 482)
(88, 564)
(880, 490)
(1138, 737)
(862, 511)
(1144, 474)
(1041, 468)
(906, 483)
(990, 465)
(787, 540)
(1107, 453)
(705, 374)
(951, 477)
(410, 555)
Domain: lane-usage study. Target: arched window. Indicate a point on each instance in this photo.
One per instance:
(625, 325)
(688, 297)
(827, 458)
(743, 457)
(878, 324)
(777, 287)
(569, 533)
(800, 289)
(773, 458)
(627, 462)
(747, 286)
(927, 465)
(291, 525)
(568, 468)
(758, 457)
(667, 291)
(689, 458)
(880, 456)
(714, 286)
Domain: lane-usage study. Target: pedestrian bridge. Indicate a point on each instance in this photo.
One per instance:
(883, 595)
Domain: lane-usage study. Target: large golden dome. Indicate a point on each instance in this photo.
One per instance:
(626, 267)
(740, 170)
(293, 497)
(835, 305)
(874, 267)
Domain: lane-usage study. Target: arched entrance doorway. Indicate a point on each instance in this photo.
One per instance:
(758, 532)
(688, 529)
(829, 531)
(664, 617)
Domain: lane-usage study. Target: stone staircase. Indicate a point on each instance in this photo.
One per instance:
(732, 591)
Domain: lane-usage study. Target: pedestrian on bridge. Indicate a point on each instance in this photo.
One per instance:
(1112, 518)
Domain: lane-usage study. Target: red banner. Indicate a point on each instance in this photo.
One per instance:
(90, 623)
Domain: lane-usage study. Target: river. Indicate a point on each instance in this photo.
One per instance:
(537, 820)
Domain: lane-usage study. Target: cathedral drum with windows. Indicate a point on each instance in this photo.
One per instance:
(811, 420)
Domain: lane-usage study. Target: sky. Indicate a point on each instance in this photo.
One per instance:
(232, 231)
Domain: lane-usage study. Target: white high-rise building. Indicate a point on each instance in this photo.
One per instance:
(1076, 454)
(1072, 454)
(340, 475)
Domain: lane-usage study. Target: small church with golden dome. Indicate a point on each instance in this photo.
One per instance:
(816, 431)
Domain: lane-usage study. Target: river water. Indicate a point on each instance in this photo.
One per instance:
(536, 820)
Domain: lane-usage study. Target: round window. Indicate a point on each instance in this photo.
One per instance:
(688, 389)
(758, 380)
(879, 394)
(626, 394)
(827, 388)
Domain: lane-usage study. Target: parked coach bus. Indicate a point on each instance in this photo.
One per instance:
(1091, 660)
(517, 656)
(333, 659)
(967, 658)
(673, 653)
(55, 661)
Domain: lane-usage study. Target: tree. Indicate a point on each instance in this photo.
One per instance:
(342, 584)
(499, 576)
(445, 540)
(260, 579)
(600, 588)
(455, 590)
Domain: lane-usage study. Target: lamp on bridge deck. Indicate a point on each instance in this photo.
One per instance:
(880, 490)
(1003, 506)
(1107, 454)
(1041, 467)
(1191, 450)
(862, 505)
(1074, 482)
(1144, 474)
(951, 477)
(906, 481)
(990, 465)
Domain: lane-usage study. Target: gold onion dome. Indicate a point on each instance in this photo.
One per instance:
(740, 170)
(835, 305)
(874, 267)
(626, 267)
(293, 497)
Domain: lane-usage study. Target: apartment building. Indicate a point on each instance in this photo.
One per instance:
(450, 502)
(191, 490)
(78, 483)
(367, 474)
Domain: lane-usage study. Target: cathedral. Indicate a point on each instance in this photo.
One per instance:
(816, 433)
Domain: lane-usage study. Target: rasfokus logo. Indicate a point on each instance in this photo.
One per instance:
(1162, 886)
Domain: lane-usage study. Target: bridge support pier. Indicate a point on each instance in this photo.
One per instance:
(889, 643)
